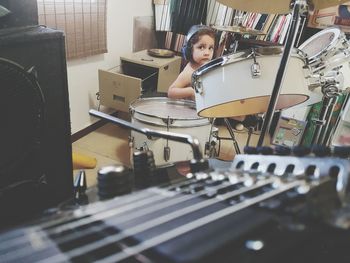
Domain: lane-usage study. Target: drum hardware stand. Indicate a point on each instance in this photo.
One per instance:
(329, 136)
(166, 151)
(330, 97)
(210, 150)
(251, 122)
(234, 141)
(250, 132)
(300, 6)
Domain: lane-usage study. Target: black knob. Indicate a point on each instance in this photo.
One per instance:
(301, 150)
(144, 168)
(80, 183)
(80, 186)
(113, 181)
(320, 150)
(265, 150)
(282, 150)
(250, 150)
(341, 151)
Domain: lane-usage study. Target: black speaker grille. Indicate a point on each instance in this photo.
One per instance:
(22, 108)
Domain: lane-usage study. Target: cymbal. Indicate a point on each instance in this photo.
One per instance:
(275, 6)
(239, 30)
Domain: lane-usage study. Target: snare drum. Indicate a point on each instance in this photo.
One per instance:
(326, 50)
(165, 114)
(242, 83)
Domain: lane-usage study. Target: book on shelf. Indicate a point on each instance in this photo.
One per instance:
(259, 25)
(256, 21)
(278, 30)
(266, 26)
(285, 29)
(272, 28)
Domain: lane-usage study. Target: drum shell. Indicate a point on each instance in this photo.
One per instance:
(196, 127)
(230, 90)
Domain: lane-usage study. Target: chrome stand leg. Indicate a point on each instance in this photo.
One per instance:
(230, 130)
(322, 138)
(330, 135)
(250, 132)
(330, 96)
(321, 121)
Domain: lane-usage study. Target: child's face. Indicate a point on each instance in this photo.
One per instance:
(203, 50)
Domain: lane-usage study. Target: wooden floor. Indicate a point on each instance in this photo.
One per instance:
(109, 145)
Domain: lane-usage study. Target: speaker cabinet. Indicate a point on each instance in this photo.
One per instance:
(44, 49)
(23, 13)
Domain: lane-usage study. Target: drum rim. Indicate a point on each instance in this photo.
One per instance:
(164, 100)
(230, 115)
(204, 122)
(234, 58)
(220, 61)
(337, 32)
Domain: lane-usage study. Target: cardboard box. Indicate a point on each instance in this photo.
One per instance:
(139, 75)
(118, 90)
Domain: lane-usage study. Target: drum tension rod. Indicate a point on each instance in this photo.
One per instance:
(166, 151)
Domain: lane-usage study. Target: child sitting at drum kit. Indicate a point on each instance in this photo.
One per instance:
(197, 50)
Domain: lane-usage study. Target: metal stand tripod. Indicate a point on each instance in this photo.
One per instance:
(330, 97)
(300, 6)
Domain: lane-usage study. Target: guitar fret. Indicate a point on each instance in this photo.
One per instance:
(157, 221)
(131, 251)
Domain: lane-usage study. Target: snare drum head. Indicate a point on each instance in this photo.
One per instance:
(320, 43)
(158, 110)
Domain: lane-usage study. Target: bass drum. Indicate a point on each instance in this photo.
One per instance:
(163, 114)
(241, 83)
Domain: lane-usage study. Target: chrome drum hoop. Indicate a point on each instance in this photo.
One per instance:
(164, 112)
(326, 50)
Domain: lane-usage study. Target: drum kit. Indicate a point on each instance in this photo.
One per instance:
(249, 82)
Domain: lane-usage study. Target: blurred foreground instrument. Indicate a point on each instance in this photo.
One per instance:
(262, 209)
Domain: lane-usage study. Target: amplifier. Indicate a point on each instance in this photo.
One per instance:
(43, 49)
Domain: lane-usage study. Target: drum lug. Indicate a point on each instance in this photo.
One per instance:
(166, 153)
(168, 122)
(198, 86)
(255, 69)
(131, 111)
(302, 54)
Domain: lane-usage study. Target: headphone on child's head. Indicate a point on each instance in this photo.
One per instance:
(187, 47)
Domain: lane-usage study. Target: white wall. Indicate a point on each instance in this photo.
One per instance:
(83, 73)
